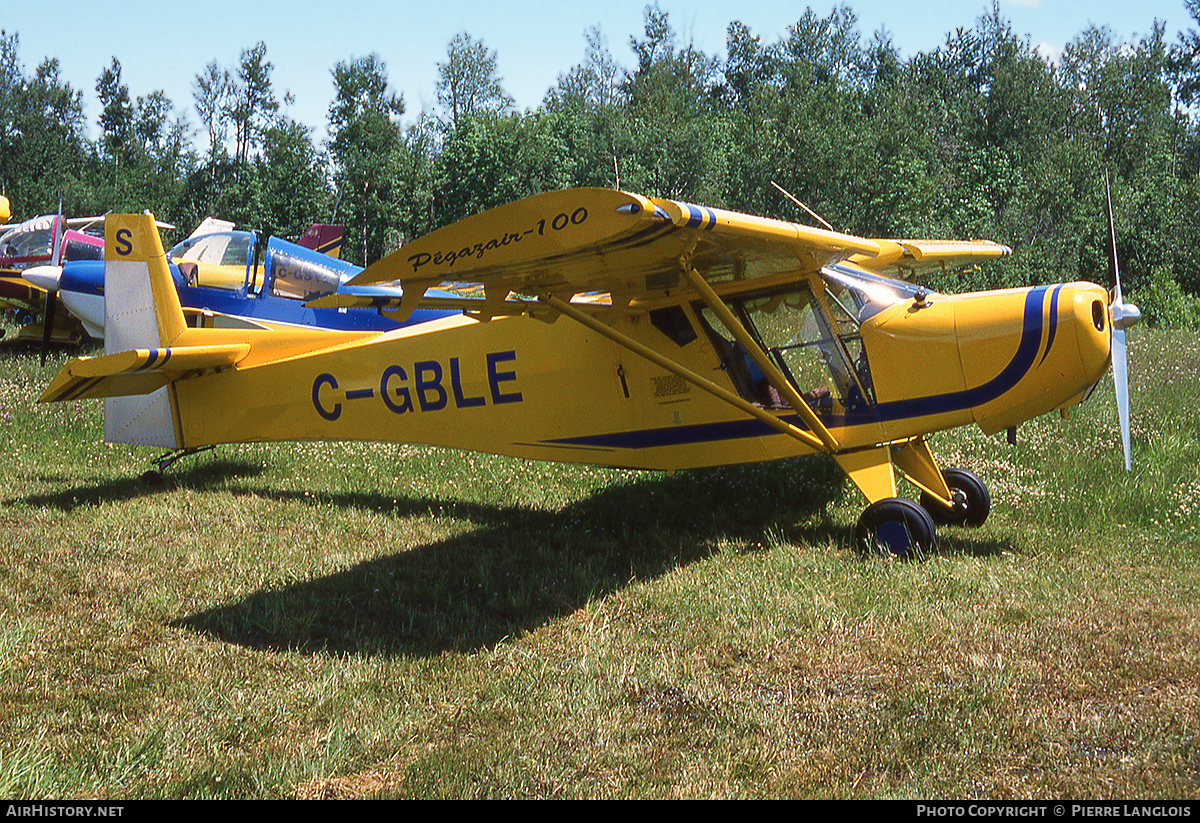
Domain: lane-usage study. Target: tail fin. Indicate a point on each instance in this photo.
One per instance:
(143, 320)
(210, 225)
(141, 311)
(141, 306)
(323, 237)
(147, 347)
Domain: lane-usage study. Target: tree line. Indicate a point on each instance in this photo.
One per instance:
(982, 137)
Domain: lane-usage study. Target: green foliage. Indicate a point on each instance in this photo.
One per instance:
(1164, 303)
(293, 189)
(468, 86)
(250, 105)
(42, 146)
(365, 145)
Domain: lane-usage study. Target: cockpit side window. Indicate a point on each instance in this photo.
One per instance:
(300, 279)
(811, 339)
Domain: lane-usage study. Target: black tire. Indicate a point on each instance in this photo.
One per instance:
(895, 527)
(972, 503)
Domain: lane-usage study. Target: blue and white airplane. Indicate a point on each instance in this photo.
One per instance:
(229, 278)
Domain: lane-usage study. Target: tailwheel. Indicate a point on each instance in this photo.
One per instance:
(970, 496)
(154, 476)
(895, 527)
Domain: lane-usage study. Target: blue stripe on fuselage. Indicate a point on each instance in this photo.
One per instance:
(1053, 323)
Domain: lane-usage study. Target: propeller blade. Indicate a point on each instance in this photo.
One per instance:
(1114, 276)
(56, 249)
(1123, 315)
(51, 305)
(1121, 382)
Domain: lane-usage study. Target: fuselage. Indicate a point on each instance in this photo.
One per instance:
(558, 391)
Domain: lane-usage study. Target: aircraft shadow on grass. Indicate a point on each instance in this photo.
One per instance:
(521, 568)
(129, 488)
(518, 568)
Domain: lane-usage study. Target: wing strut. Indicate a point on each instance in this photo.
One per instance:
(775, 377)
(696, 380)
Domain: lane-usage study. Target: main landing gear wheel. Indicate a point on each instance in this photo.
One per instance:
(895, 527)
(971, 500)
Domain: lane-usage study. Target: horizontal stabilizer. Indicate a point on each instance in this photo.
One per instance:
(138, 371)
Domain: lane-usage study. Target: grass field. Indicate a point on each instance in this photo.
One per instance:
(353, 620)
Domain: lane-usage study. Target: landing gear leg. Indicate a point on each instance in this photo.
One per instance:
(891, 526)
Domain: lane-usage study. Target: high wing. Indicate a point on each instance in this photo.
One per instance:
(581, 241)
(914, 259)
(578, 241)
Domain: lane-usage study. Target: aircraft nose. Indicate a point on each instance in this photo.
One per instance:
(1094, 325)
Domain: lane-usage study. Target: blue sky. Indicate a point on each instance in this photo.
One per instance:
(164, 45)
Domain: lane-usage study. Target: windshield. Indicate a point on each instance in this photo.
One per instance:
(82, 247)
(227, 248)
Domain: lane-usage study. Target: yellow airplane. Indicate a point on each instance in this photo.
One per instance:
(604, 327)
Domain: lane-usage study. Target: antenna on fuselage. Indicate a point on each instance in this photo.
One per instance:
(814, 215)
